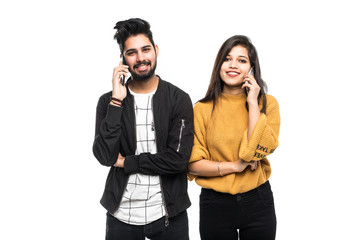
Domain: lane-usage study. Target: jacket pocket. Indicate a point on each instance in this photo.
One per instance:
(180, 135)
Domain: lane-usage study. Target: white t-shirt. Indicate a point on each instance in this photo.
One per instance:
(142, 201)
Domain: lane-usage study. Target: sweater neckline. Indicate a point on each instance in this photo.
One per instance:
(233, 97)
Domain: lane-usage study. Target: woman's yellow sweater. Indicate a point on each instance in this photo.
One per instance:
(221, 136)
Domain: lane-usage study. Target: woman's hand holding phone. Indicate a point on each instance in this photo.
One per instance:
(252, 88)
(252, 100)
(118, 81)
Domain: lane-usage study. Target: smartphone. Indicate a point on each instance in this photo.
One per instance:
(251, 72)
(122, 80)
(122, 77)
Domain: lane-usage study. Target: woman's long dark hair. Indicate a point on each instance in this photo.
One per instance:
(216, 83)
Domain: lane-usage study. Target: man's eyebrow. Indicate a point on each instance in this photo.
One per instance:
(130, 50)
(134, 49)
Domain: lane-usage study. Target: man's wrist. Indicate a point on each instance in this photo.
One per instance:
(116, 101)
(123, 162)
(117, 98)
(120, 162)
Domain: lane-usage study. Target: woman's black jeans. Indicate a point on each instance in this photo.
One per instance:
(252, 213)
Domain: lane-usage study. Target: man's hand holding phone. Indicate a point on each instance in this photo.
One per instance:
(118, 81)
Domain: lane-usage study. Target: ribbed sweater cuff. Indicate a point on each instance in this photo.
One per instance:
(247, 148)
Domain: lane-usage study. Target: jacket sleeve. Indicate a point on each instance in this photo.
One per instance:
(107, 132)
(264, 139)
(180, 136)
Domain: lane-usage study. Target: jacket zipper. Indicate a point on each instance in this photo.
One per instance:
(180, 135)
(163, 198)
(161, 185)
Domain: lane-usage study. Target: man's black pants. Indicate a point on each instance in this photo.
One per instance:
(178, 229)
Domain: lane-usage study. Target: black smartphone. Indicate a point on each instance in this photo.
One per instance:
(122, 80)
(251, 72)
(122, 77)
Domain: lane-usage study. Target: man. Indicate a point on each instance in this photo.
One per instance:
(144, 132)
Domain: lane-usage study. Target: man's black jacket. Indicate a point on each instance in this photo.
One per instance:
(174, 131)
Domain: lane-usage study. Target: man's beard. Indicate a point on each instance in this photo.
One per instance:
(143, 76)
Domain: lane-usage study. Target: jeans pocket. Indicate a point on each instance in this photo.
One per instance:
(266, 196)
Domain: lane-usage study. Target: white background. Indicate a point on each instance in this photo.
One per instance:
(57, 59)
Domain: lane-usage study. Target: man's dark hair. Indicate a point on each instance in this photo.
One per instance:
(131, 27)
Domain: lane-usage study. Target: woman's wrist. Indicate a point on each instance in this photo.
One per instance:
(226, 168)
(235, 167)
(253, 104)
(219, 169)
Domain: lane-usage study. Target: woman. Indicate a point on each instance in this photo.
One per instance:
(236, 127)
